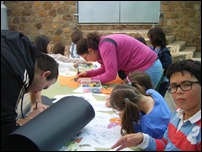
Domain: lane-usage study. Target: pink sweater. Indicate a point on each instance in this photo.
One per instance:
(129, 55)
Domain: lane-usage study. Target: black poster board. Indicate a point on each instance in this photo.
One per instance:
(54, 127)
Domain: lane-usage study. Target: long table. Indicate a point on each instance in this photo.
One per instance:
(103, 131)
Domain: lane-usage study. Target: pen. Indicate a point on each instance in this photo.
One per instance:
(78, 69)
(36, 104)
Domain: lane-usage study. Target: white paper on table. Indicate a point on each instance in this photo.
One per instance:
(125, 149)
(97, 105)
(99, 133)
(88, 96)
(79, 89)
(100, 106)
(100, 94)
(67, 73)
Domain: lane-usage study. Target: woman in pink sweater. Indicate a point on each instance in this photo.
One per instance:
(118, 52)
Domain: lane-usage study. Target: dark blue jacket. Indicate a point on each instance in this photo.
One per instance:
(165, 58)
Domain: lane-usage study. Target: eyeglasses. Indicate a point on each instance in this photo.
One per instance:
(116, 111)
(185, 86)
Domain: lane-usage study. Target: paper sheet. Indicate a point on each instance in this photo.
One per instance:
(88, 96)
(99, 133)
(54, 127)
(97, 105)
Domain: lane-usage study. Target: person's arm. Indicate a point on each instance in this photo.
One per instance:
(129, 140)
(30, 116)
(36, 101)
(35, 97)
(68, 60)
(109, 64)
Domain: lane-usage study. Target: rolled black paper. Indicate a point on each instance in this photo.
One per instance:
(54, 127)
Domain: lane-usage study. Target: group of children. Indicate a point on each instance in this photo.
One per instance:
(59, 50)
(181, 131)
(146, 120)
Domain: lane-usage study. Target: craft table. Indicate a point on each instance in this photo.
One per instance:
(65, 85)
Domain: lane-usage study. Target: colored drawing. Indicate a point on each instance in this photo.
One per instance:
(106, 90)
(102, 132)
(116, 120)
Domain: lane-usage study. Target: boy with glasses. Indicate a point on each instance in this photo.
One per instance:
(184, 130)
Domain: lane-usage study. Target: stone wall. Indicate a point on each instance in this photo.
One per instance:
(57, 20)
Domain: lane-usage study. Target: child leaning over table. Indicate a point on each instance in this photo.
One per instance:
(140, 111)
(140, 78)
(184, 130)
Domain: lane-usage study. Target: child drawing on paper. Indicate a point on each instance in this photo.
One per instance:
(139, 111)
(114, 122)
(138, 77)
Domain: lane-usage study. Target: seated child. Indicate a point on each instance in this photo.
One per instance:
(140, 78)
(58, 53)
(184, 129)
(75, 36)
(140, 111)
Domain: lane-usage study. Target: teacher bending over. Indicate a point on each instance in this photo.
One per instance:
(118, 53)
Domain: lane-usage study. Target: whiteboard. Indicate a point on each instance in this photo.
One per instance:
(139, 11)
(118, 11)
(98, 11)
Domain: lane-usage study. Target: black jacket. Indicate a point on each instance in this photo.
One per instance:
(17, 72)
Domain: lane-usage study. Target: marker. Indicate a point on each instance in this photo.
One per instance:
(36, 104)
(78, 69)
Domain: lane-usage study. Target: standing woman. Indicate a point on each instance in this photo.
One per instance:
(118, 52)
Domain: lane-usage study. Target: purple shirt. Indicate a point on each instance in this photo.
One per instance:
(129, 55)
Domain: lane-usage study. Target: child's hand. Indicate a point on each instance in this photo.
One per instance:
(75, 65)
(107, 104)
(82, 74)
